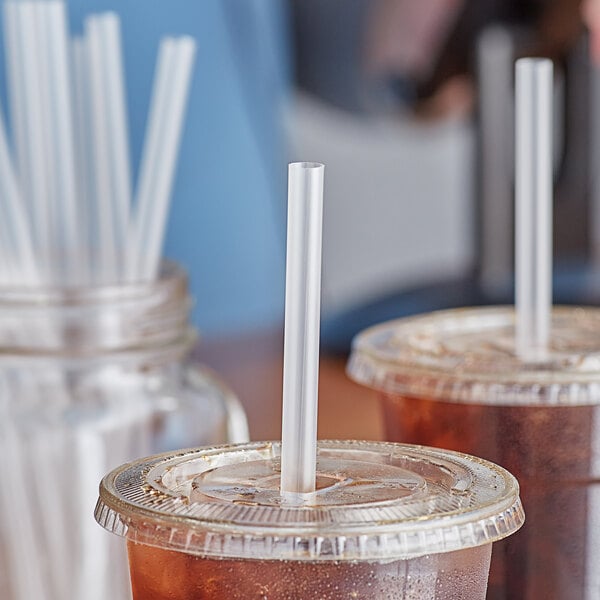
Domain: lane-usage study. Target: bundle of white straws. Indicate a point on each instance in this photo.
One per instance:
(70, 216)
(69, 212)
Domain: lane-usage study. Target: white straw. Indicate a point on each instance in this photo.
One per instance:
(33, 171)
(106, 243)
(16, 91)
(167, 156)
(302, 318)
(117, 122)
(158, 101)
(8, 259)
(83, 145)
(533, 212)
(44, 81)
(91, 462)
(25, 550)
(49, 450)
(13, 212)
(169, 99)
(61, 150)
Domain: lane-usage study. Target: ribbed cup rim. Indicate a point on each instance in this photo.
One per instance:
(440, 501)
(468, 355)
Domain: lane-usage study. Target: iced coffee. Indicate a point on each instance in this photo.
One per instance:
(452, 379)
(386, 521)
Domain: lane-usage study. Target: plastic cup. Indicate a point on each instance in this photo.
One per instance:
(452, 379)
(388, 521)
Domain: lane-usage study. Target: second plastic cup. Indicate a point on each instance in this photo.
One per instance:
(452, 379)
(387, 521)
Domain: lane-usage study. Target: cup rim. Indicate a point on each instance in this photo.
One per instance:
(482, 508)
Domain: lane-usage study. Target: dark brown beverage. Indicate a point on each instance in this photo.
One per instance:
(158, 574)
(387, 522)
(456, 384)
(551, 452)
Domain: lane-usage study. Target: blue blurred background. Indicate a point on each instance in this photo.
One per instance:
(227, 223)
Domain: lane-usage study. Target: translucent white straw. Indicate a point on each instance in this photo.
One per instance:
(12, 211)
(302, 319)
(159, 160)
(117, 123)
(106, 243)
(33, 172)
(151, 147)
(83, 145)
(26, 555)
(62, 141)
(16, 90)
(164, 172)
(533, 211)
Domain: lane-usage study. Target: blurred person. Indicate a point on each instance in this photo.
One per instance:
(415, 57)
(389, 55)
(403, 41)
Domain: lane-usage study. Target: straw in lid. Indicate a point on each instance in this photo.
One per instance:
(374, 501)
(468, 355)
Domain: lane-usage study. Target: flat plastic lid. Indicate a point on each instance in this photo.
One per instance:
(375, 501)
(468, 355)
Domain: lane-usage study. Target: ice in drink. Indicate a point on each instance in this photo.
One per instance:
(452, 379)
(391, 521)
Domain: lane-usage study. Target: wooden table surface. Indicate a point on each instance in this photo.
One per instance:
(252, 365)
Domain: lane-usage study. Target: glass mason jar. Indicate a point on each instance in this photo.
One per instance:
(90, 378)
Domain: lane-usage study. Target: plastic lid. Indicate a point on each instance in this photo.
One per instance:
(468, 355)
(374, 501)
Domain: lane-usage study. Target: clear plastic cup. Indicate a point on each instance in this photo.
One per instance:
(452, 379)
(388, 521)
